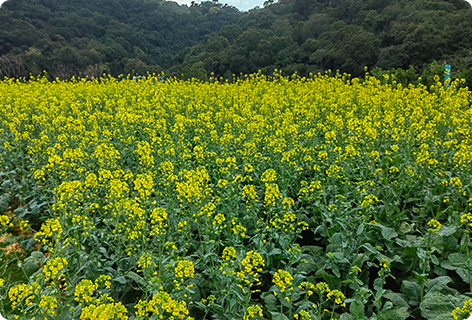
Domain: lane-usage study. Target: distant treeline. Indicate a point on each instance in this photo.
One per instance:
(67, 38)
(314, 36)
(88, 38)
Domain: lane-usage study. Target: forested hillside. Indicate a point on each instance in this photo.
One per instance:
(135, 36)
(317, 35)
(67, 37)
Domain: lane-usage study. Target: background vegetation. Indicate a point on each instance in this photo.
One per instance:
(135, 36)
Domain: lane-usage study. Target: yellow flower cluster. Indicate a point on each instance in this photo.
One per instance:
(50, 230)
(49, 304)
(4, 220)
(54, 271)
(464, 312)
(466, 219)
(369, 200)
(303, 315)
(308, 287)
(184, 269)
(384, 263)
(434, 226)
(85, 290)
(159, 172)
(104, 308)
(282, 279)
(194, 185)
(252, 264)
(253, 312)
(145, 261)
(20, 291)
(337, 296)
(229, 254)
(163, 306)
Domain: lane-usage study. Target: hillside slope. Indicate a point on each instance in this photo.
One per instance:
(68, 37)
(317, 35)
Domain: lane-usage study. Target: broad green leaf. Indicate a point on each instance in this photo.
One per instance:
(360, 229)
(406, 227)
(359, 260)
(278, 316)
(437, 284)
(313, 251)
(446, 231)
(314, 259)
(346, 316)
(457, 262)
(333, 281)
(437, 306)
(4, 202)
(270, 301)
(339, 257)
(394, 314)
(387, 232)
(136, 278)
(335, 269)
(120, 279)
(398, 299)
(413, 292)
(357, 310)
(32, 263)
(463, 273)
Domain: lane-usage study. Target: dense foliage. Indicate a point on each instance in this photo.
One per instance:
(319, 198)
(67, 37)
(315, 35)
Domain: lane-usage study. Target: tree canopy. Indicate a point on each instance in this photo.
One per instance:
(69, 38)
(318, 35)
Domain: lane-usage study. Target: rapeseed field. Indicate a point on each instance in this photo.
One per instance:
(266, 198)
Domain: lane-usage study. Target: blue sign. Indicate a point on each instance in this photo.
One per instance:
(447, 74)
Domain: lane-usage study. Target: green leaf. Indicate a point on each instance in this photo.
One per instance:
(275, 251)
(32, 263)
(438, 284)
(412, 291)
(314, 259)
(406, 227)
(389, 233)
(120, 279)
(446, 231)
(437, 306)
(270, 301)
(454, 261)
(346, 316)
(360, 230)
(335, 269)
(457, 262)
(278, 316)
(357, 310)
(313, 251)
(333, 281)
(339, 257)
(359, 260)
(4, 202)
(398, 299)
(136, 278)
(394, 314)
